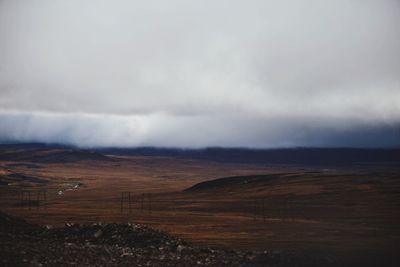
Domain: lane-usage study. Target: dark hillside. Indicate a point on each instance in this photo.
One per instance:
(303, 156)
(47, 154)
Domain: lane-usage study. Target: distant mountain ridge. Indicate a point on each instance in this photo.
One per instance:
(274, 156)
(38, 152)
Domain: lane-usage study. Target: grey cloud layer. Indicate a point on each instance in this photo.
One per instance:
(200, 73)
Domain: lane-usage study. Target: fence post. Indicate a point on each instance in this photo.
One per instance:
(29, 200)
(130, 202)
(255, 210)
(37, 199)
(263, 208)
(45, 198)
(142, 204)
(122, 202)
(291, 209)
(21, 196)
(149, 200)
(284, 209)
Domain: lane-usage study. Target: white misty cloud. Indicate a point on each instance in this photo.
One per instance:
(200, 73)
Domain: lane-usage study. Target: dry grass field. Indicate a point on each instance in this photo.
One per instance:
(343, 212)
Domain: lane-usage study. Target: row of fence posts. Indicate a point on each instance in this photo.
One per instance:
(28, 200)
(145, 201)
(260, 212)
(127, 201)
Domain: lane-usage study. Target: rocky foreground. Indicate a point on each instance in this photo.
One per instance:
(25, 244)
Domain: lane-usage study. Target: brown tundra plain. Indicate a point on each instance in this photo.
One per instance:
(345, 212)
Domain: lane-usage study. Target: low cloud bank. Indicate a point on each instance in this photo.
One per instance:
(192, 131)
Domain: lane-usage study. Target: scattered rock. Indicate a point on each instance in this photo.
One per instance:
(180, 248)
(121, 244)
(98, 233)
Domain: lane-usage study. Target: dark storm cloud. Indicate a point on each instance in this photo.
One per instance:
(201, 73)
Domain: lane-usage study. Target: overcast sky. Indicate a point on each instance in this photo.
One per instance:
(182, 73)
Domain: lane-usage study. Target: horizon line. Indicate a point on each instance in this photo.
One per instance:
(201, 148)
